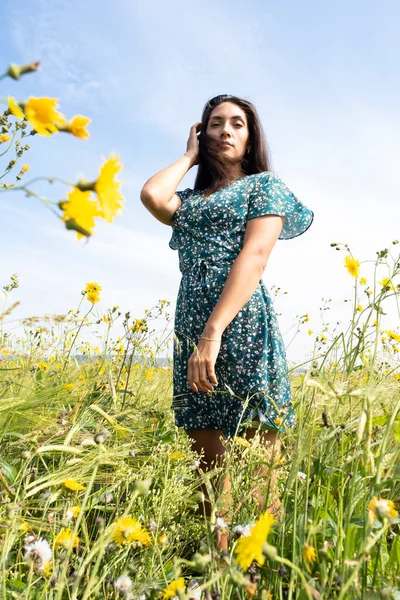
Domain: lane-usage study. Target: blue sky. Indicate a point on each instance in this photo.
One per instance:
(323, 77)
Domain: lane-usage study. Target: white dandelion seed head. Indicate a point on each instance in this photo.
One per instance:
(242, 530)
(123, 584)
(38, 553)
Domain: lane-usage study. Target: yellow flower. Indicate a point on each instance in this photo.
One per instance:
(24, 526)
(14, 108)
(139, 325)
(323, 337)
(393, 335)
(309, 556)
(93, 297)
(163, 539)
(249, 548)
(307, 318)
(309, 331)
(363, 281)
(241, 441)
(81, 209)
(106, 319)
(4, 138)
(76, 126)
(73, 511)
(68, 386)
(278, 421)
(176, 455)
(67, 538)
(386, 282)
(25, 168)
(128, 529)
(93, 286)
(47, 568)
(173, 589)
(108, 190)
(381, 509)
(352, 265)
(359, 308)
(42, 114)
(73, 485)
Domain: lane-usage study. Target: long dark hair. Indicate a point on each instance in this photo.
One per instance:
(212, 172)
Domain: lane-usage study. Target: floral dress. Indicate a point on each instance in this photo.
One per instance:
(251, 368)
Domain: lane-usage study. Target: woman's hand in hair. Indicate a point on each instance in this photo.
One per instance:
(193, 143)
(202, 365)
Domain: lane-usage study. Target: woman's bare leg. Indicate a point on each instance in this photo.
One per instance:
(270, 440)
(208, 442)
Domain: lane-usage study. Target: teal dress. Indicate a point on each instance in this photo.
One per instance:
(251, 367)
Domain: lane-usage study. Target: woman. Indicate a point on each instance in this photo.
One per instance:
(230, 364)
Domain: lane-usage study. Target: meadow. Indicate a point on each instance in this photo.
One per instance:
(100, 493)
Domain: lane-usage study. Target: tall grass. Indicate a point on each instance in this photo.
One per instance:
(85, 444)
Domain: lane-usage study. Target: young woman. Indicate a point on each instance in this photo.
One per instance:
(230, 364)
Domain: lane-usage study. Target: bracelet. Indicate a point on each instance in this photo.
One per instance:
(209, 339)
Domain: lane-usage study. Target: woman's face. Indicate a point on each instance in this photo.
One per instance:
(228, 123)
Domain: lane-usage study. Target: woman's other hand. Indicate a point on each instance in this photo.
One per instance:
(201, 364)
(193, 143)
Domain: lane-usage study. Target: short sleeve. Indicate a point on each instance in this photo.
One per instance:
(271, 196)
(183, 195)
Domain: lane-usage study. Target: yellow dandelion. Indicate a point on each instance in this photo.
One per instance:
(42, 114)
(323, 337)
(173, 589)
(359, 308)
(363, 281)
(381, 509)
(24, 526)
(68, 386)
(139, 325)
(73, 485)
(352, 265)
(108, 190)
(80, 210)
(241, 441)
(106, 319)
(176, 455)
(309, 332)
(93, 297)
(128, 529)
(4, 138)
(93, 286)
(14, 108)
(66, 538)
(392, 335)
(249, 548)
(309, 556)
(386, 282)
(76, 126)
(306, 318)
(47, 568)
(73, 511)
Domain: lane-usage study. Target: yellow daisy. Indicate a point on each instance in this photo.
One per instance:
(174, 588)
(127, 529)
(73, 485)
(42, 114)
(108, 190)
(352, 265)
(309, 556)
(80, 208)
(66, 538)
(93, 297)
(76, 126)
(249, 548)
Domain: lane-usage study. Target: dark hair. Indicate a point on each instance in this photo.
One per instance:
(212, 173)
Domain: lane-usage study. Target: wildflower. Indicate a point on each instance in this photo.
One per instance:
(277, 421)
(38, 554)
(73, 511)
(176, 455)
(106, 319)
(80, 211)
(220, 525)
(4, 138)
(386, 283)
(14, 108)
(393, 335)
(306, 318)
(68, 386)
(42, 114)
(241, 441)
(93, 286)
(93, 297)
(76, 126)
(24, 526)
(363, 281)
(67, 538)
(123, 584)
(163, 539)
(139, 325)
(352, 265)
(381, 509)
(359, 308)
(309, 556)
(107, 189)
(249, 548)
(128, 529)
(174, 587)
(309, 331)
(73, 485)
(242, 530)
